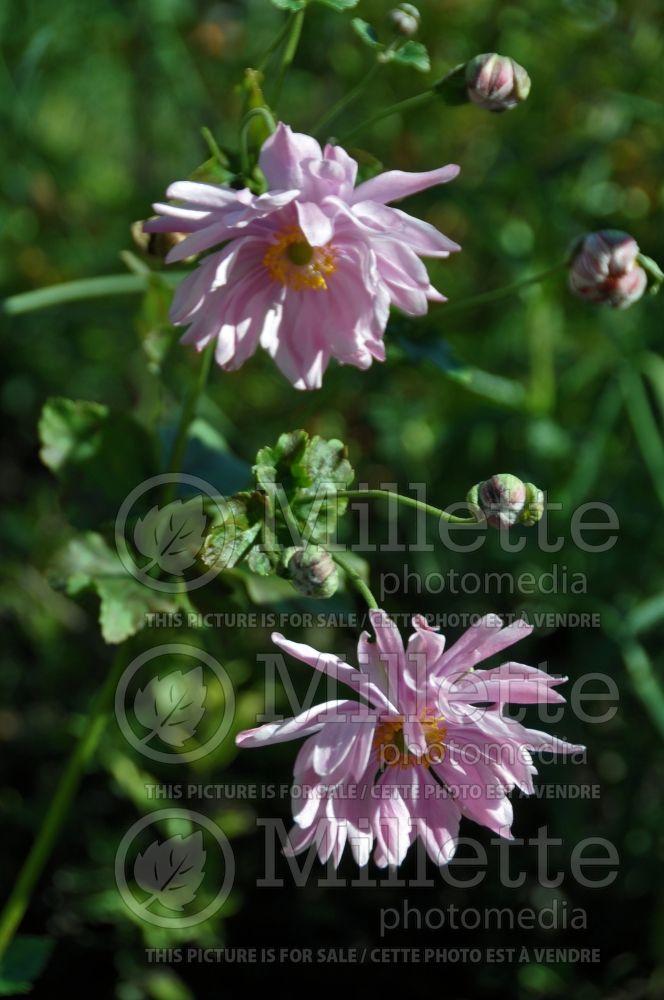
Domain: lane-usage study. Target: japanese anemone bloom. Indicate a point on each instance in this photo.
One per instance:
(429, 743)
(309, 269)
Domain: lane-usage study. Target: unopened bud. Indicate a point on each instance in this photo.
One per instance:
(605, 269)
(495, 82)
(405, 19)
(501, 499)
(312, 571)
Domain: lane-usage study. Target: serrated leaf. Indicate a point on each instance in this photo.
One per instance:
(261, 562)
(324, 468)
(172, 871)
(366, 32)
(241, 520)
(171, 706)
(413, 54)
(125, 603)
(307, 470)
(171, 536)
(273, 464)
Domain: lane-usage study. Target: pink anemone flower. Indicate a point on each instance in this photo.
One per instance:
(428, 744)
(309, 269)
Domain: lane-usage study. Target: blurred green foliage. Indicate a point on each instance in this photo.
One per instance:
(101, 105)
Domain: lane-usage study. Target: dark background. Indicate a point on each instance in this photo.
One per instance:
(101, 106)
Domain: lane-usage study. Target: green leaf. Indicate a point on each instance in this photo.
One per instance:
(98, 457)
(323, 462)
(366, 32)
(242, 516)
(324, 467)
(212, 172)
(307, 469)
(87, 562)
(261, 562)
(413, 54)
(23, 962)
(292, 5)
(273, 465)
(340, 5)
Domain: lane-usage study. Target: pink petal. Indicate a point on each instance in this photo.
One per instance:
(315, 225)
(395, 184)
(282, 154)
(303, 724)
(329, 664)
(205, 195)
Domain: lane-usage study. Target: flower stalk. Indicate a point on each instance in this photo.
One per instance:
(356, 580)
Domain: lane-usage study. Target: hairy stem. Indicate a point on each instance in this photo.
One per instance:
(406, 502)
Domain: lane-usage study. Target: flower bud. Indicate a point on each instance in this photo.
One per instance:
(405, 19)
(605, 269)
(501, 499)
(312, 571)
(495, 82)
(533, 507)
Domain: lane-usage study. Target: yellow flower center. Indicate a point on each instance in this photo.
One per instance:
(390, 743)
(298, 265)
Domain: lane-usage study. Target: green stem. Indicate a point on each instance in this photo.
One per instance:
(347, 99)
(355, 579)
(87, 288)
(213, 146)
(405, 502)
(289, 52)
(60, 805)
(505, 291)
(408, 105)
(176, 456)
(263, 113)
(276, 42)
